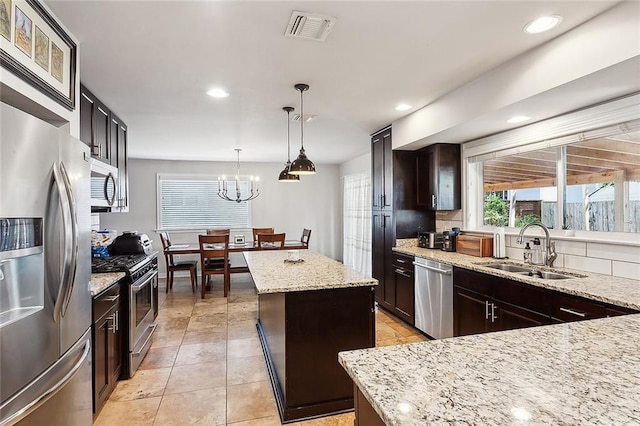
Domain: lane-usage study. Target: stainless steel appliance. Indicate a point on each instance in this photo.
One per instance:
(45, 304)
(104, 186)
(434, 298)
(141, 277)
(432, 240)
(449, 239)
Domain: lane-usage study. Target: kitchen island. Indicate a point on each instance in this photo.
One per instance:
(577, 373)
(308, 312)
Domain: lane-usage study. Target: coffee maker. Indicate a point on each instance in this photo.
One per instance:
(449, 239)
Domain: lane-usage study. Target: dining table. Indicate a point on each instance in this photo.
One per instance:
(190, 248)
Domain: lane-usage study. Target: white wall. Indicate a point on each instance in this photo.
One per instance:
(313, 203)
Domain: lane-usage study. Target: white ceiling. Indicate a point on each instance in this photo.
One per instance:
(151, 62)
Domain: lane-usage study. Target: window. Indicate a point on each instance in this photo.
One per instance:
(552, 172)
(192, 203)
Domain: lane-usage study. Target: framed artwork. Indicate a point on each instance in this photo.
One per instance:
(5, 19)
(41, 48)
(36, 48)
(23, 32)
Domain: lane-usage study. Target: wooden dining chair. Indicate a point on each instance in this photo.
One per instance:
(172, 266)
(306, 235)
(214, 257)
(271, 241)
(218, 231)
(257, 231)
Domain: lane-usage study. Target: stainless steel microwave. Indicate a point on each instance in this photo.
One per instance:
(104, 186)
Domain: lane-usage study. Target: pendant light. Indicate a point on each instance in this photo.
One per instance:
(302, 165)
(285, 176)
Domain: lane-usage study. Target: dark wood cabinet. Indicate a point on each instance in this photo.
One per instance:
(483, 303)
(382, 182)
(118, 136)
(395, 215)
(439, 177)
(95, 127)
(107, 136)
(107, 345)
(403, 287)
(365, 414)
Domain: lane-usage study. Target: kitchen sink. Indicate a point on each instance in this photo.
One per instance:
(508, 267)
(531, 271)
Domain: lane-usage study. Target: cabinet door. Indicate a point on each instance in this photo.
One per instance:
(470, 312)
(87, 105)
(101, 372)
(404, 294)
(115, 348)
(439, 177)
(382, 163)
(510, 317)
(101, 143)
(426, 178)
(381, 266)
(118, 142)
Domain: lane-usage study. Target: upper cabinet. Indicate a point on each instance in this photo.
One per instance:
(94, 127)
(439, 177)
(107, 136)
(382, 172)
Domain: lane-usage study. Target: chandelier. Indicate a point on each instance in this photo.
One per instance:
(223, 184)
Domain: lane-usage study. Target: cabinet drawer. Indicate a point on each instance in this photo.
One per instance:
(105, 301)
(403, 261)
(523, 295)
(571, 308)
(614, 311)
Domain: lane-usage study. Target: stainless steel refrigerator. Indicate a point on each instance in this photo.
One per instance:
(45, 272)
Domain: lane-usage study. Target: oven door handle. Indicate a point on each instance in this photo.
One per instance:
(136, 288)
(153, 328)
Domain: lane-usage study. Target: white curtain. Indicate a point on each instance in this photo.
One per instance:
(357, 222)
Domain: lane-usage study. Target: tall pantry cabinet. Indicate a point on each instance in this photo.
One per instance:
(395, 215)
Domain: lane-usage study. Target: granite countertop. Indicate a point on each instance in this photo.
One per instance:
(604, 288)
(101, 282)
(584, 372)
(271, 274)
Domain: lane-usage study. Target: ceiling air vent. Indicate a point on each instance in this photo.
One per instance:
(310, 26)
(307, 118)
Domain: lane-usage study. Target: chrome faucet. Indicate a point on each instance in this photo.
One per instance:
(551, 255)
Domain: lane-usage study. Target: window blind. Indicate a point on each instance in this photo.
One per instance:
(193, 203)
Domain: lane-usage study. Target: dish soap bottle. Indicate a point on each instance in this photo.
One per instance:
(528, 255)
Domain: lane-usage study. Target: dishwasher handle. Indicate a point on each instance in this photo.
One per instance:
(431, 268)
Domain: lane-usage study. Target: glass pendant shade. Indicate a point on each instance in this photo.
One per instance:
(302, 165)
(285, 176)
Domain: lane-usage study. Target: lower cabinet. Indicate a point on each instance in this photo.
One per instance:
(107, 344)
(365, 414)
(404, 287)
(484, 303)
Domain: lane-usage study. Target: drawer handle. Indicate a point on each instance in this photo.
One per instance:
(403, 273)
(571, 311)
(112, 298)
(400, 260)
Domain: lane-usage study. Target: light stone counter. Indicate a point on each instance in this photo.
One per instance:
(584, 372)
(604, 288)
(101, 282)
(271, 274)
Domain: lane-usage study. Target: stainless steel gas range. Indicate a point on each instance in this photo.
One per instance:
(140, 300)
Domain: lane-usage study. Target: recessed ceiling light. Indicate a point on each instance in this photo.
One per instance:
(402, 107)
(218, 93)
(542, 24)
(518, 119)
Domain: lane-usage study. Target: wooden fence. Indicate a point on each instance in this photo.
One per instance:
(601, 216)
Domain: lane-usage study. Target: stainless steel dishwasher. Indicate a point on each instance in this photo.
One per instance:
(434, 298)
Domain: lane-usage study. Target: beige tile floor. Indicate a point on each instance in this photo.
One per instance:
(205, 366)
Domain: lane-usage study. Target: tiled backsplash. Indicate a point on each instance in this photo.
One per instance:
(598, 257)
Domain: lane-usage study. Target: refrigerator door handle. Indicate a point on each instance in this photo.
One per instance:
(74, 238)
(49, 393)
(66, 229)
